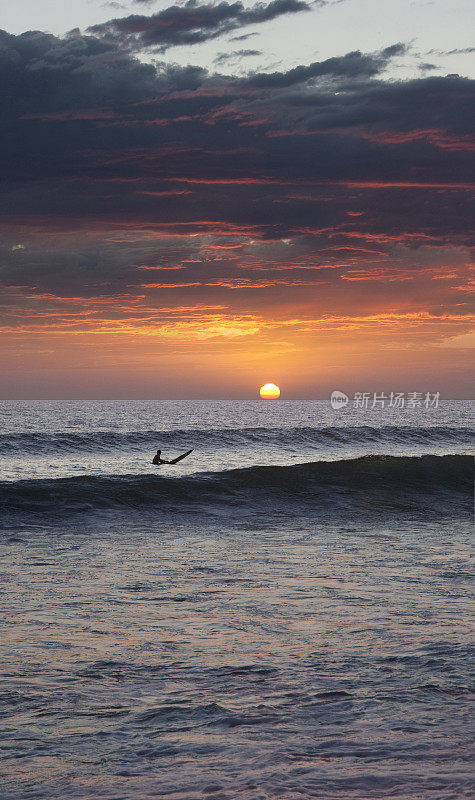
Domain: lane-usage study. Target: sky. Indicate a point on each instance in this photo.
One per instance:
(202, 198)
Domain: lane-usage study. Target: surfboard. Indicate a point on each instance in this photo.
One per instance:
(183, 455)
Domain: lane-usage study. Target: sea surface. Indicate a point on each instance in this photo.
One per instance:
(284, 614)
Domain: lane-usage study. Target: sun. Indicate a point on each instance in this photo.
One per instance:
(269, 391)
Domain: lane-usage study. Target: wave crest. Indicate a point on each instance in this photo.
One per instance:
(102, 441)
(371, 482)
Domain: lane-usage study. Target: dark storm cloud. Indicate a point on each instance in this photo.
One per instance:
(191, 23)
(41, 73)
(138, 159)
(78, 104)
(84, 268)
(351, 65)
(427, 109)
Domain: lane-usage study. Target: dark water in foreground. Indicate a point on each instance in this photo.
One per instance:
(293, 631)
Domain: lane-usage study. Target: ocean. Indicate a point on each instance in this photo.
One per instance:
(283, 614)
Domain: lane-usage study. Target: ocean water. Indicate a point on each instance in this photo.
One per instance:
(284, 614)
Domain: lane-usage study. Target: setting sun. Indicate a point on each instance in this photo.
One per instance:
(269, 391)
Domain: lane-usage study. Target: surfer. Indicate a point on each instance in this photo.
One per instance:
(157, 460)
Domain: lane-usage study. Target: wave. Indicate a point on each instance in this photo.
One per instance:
(64, 442)
(368, 483)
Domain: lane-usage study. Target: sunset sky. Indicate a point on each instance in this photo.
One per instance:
(199, 199)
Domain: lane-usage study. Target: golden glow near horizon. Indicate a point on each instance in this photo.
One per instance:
(269, 391)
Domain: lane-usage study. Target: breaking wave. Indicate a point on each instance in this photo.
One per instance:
(368, 483)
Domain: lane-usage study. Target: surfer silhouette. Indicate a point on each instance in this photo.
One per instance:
(157, 460)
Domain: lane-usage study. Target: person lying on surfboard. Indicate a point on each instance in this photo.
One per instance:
(157, 460)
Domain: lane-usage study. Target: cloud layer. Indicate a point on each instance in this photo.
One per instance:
(272, 208)
(191, 23)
